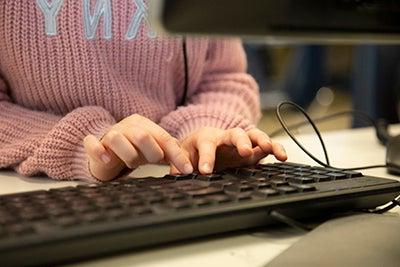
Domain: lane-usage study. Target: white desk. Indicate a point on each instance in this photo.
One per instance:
(348, 148)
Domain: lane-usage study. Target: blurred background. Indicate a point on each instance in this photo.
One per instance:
(325, 79)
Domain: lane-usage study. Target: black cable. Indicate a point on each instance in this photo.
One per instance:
(278, 113)
(287, 130)
(186, 72)
(289, 221)
(329, 117)
(381, 132)
(390, 206)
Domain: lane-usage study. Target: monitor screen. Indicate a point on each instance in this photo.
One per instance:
(351, 20)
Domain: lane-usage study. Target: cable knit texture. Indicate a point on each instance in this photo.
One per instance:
(55, 90)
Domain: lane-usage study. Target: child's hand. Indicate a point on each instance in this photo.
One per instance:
(214, 149)
(130, 143)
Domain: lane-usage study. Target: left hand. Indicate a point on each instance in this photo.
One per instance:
(212, 149)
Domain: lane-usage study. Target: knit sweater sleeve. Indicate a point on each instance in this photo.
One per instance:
(34, 143)
(226, 96)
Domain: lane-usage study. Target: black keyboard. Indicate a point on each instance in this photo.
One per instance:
(74, 223)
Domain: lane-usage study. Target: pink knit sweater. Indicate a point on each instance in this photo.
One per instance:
(67, 71)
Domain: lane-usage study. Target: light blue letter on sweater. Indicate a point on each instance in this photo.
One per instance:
(140, 14)
(102, 8)
(50, 12)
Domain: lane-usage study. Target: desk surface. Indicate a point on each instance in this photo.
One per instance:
(349, 148)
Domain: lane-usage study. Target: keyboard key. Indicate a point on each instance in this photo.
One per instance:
(210, 177)
(302, 173)
(239, 188)
(92, 217)
(337, 175)
(3, 231)
(20, 229)
(180, 177)
(156, 199)
(220, 198)
(176, 196)
(286, 189)
(8, 218)
(33, 216)
(117, 213)
(260, 186)
(291, 164)
(205, 191)
(266, 193)
(352, 174)
(284, 176)
(266, 174)
(81, 208)
(67, 221)
(129, 201)
(244, 196)
(276, 182)
(301, 180)
(201, 202)
(304, 187)
(320, 178)
(248, 171)
(232, 171)
(142, 210)
(181, 204)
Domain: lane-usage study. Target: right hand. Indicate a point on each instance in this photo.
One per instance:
(132, 142)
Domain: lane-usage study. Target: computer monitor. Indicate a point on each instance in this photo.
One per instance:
(375, 21)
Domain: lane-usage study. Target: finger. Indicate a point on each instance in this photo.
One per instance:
(239, 138)
(206, 150)
(173, 170)
(146, 144)
(95, 149)
(171, 148)
(258, 154)
(261, 139)
(279, 151)
(121, 146)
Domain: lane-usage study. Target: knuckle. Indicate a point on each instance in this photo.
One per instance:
(131, 163)
(96, 150)
(132, 119)
(167, 139)
(238, 131)
(135, 116)
(157, 157)
(86, 139)
(112, 137)
(177, 155)
(142, 136)
(208, 143)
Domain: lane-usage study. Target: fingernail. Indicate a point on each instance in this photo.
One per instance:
(188, 168)
(106, 159)
(207, 168)
(283, 150)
